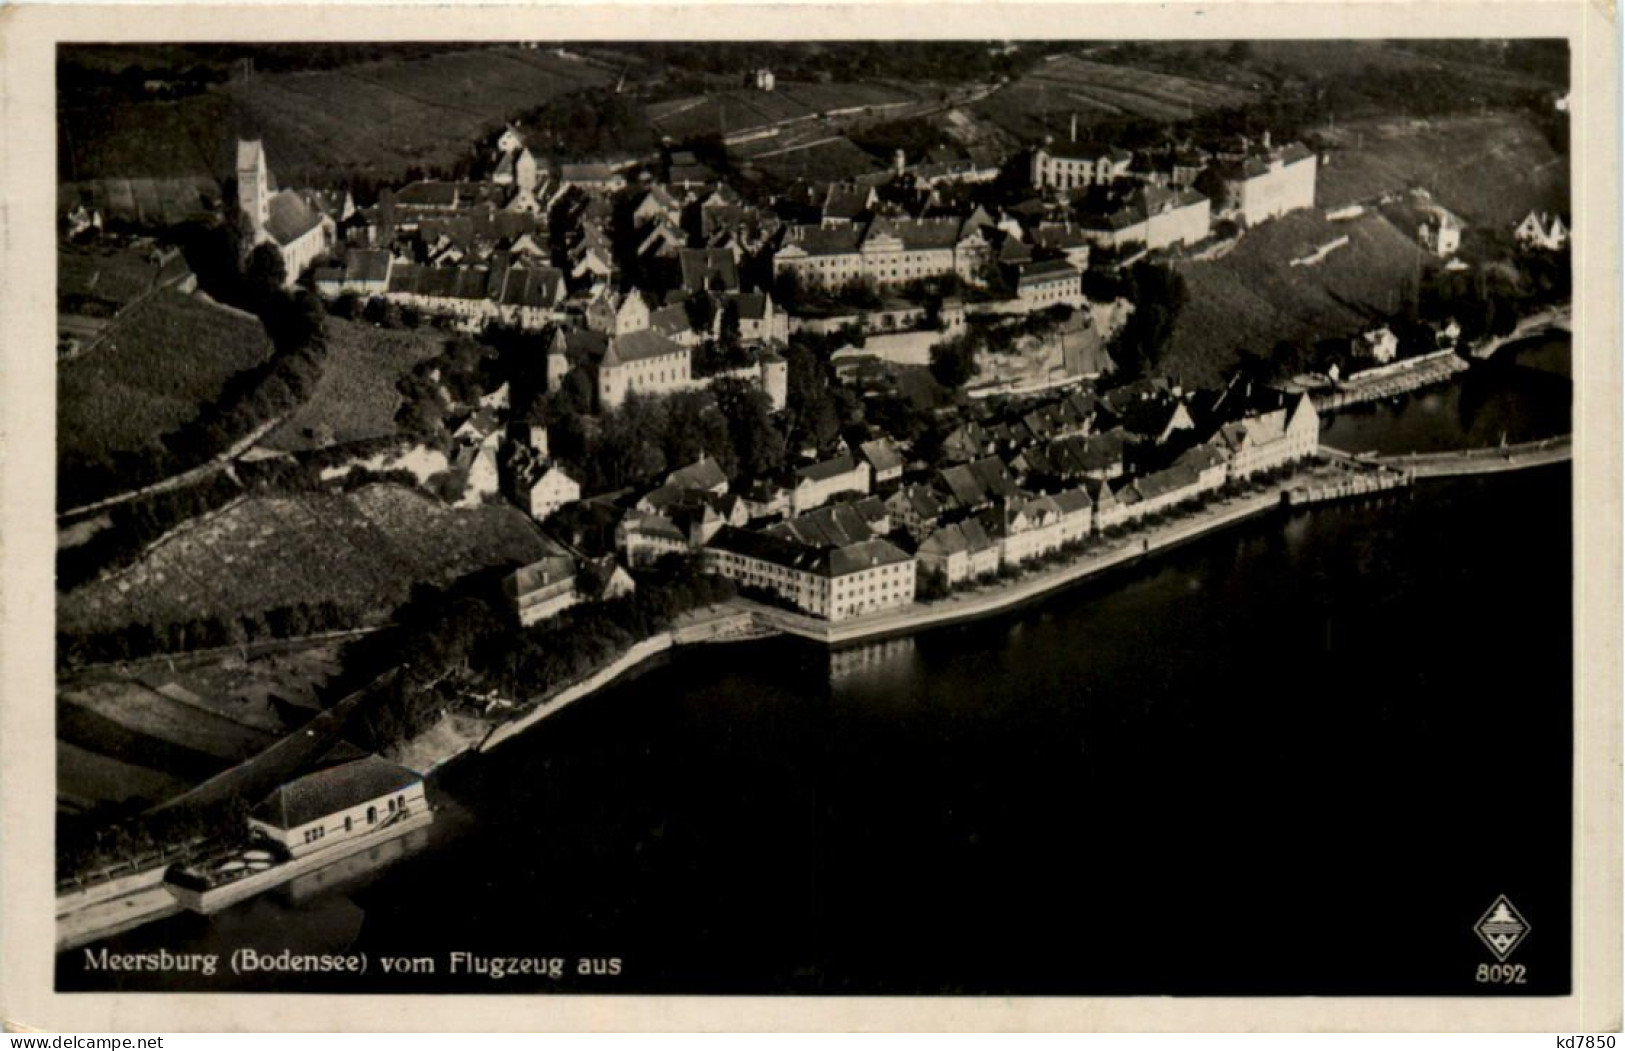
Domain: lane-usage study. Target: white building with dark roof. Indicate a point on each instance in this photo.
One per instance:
(1265, 186)
(1076, 166)
(1049, 282)
(298, 228)
(351, 795)
(816, 484)
(835, 583)
(887, 251)
(1266, 440)
(543, 589)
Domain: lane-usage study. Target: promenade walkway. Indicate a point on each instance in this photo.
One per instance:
(995, 598)
(1480, 461)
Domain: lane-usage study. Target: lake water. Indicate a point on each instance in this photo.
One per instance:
(1521, 394)
(1300, 756)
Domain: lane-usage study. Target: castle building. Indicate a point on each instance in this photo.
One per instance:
(1271, 185)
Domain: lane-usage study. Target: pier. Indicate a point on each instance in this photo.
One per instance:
(1481, 461)
(1353, 480)
(1390, 380)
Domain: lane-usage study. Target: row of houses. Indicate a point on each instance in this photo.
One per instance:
(979, 518)
(838, 548)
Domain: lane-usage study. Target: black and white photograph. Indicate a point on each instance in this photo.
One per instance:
(1056, 516)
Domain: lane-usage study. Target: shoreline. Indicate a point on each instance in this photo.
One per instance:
(1440, 366)
(744, 620)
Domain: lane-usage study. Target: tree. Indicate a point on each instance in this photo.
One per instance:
(953, 362)
(807, 396)
(1159, 294)
(789, 292)
(991, 276)
(749, 413)
(264, 274)
(701, 312)
(694, 428)
(729, 334)
(241, 235)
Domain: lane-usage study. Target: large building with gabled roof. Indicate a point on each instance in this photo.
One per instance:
(835, 583)
(292, 222)
(349, 793)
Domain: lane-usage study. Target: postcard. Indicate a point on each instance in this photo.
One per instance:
(1034, 517)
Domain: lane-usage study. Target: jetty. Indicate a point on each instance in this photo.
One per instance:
(1389, 380)
(1480, 461)
(1557, 319)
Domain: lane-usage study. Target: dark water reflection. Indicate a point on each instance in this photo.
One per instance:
(1302, 756)
(1522, 394)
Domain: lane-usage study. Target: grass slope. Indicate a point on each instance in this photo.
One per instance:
(363, 550)
(163, 358)
(1489, 169)
(355, 399)
(1254, 298)
(1098, 92)
(372, 118)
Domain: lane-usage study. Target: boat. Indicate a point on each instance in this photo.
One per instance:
(347, 801)
(210, 884)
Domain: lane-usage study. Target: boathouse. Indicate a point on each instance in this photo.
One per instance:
(352, 794)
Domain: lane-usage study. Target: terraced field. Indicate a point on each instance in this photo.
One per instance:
(811, 156)
(1489, 169)
(85, 778)
(1097, 92)
(163, 359)
(375, 118)
(355, 398)
(150, 735)
(360, 550)
(732, 112)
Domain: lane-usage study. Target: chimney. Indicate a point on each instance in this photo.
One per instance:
(1074, 127)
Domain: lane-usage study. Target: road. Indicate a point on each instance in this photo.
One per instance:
(176, 481)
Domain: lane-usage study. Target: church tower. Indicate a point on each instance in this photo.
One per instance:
(253, 182)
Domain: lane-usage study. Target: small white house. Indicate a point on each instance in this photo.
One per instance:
(1539, 230)
(543, 589)
(1380, 344)
(1440, 233)
(551, 491)
(344, 800)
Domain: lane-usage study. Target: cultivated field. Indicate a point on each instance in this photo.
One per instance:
(816, 156)
(361, 550)
(1488, 169)
(142, 709)
(732, 112)
(151, 736)
(1261, 61)
(1097, 92)
(355, 399)
(85, 778)
(1254, 298)
(373, 118)
(163, 358)
(111, 278)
